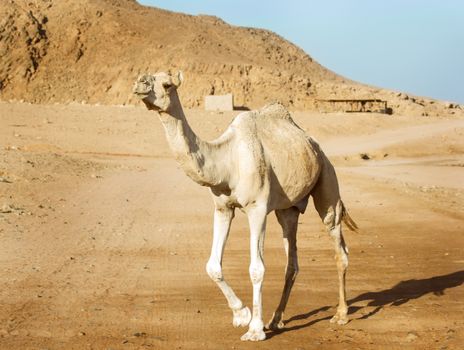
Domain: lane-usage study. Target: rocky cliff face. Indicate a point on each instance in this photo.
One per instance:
(23, 44)
(93, 50)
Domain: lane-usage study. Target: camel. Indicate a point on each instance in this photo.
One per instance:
(263, 162)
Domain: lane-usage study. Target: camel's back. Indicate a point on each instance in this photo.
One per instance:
(294, 158)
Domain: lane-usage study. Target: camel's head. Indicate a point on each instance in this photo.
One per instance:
(155, 90)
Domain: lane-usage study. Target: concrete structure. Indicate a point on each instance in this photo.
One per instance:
(219, 102)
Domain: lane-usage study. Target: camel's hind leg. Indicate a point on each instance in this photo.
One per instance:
(328, 204)
(341, 256)
(288, 219)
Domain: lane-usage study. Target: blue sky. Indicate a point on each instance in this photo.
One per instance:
(415, 46)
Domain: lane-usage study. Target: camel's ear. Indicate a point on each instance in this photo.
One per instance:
(178, 78)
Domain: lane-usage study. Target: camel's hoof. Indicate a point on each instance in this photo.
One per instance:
(339, 319)
(275, 323)
(254, 335)
(242, 317)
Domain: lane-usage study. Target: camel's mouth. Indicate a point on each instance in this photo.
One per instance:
(141, 95)
(143, 87)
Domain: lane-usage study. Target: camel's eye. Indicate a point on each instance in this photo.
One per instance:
(167, 85)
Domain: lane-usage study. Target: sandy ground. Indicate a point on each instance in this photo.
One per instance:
(104, 240)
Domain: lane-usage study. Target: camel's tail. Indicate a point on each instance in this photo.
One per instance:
(349, 222)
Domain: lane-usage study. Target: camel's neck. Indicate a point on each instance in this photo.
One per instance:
(196, 157)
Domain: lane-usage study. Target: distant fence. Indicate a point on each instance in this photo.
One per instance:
(353, 106)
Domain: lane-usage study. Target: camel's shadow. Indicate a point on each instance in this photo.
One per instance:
(397, 295)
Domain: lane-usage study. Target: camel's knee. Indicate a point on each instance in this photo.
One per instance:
(341, 249)
(342, 260)
(292, 270)
(257, 272)
(214, 271)
(341, 256)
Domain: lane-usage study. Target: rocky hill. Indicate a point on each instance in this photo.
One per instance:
(91, 51)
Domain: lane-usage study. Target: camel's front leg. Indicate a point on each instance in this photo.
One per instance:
(257, 221)
(222, 220)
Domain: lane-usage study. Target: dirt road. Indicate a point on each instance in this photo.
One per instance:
(104, 240)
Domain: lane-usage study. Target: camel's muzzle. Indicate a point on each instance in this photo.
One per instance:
(143, 87)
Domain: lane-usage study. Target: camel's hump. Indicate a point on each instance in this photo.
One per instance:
(266, 117)
(273, 110)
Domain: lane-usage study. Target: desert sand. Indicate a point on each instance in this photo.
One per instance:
(105, 240)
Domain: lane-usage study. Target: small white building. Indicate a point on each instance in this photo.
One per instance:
(219, 102)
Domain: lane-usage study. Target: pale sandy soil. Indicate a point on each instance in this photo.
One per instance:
(104, 240)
